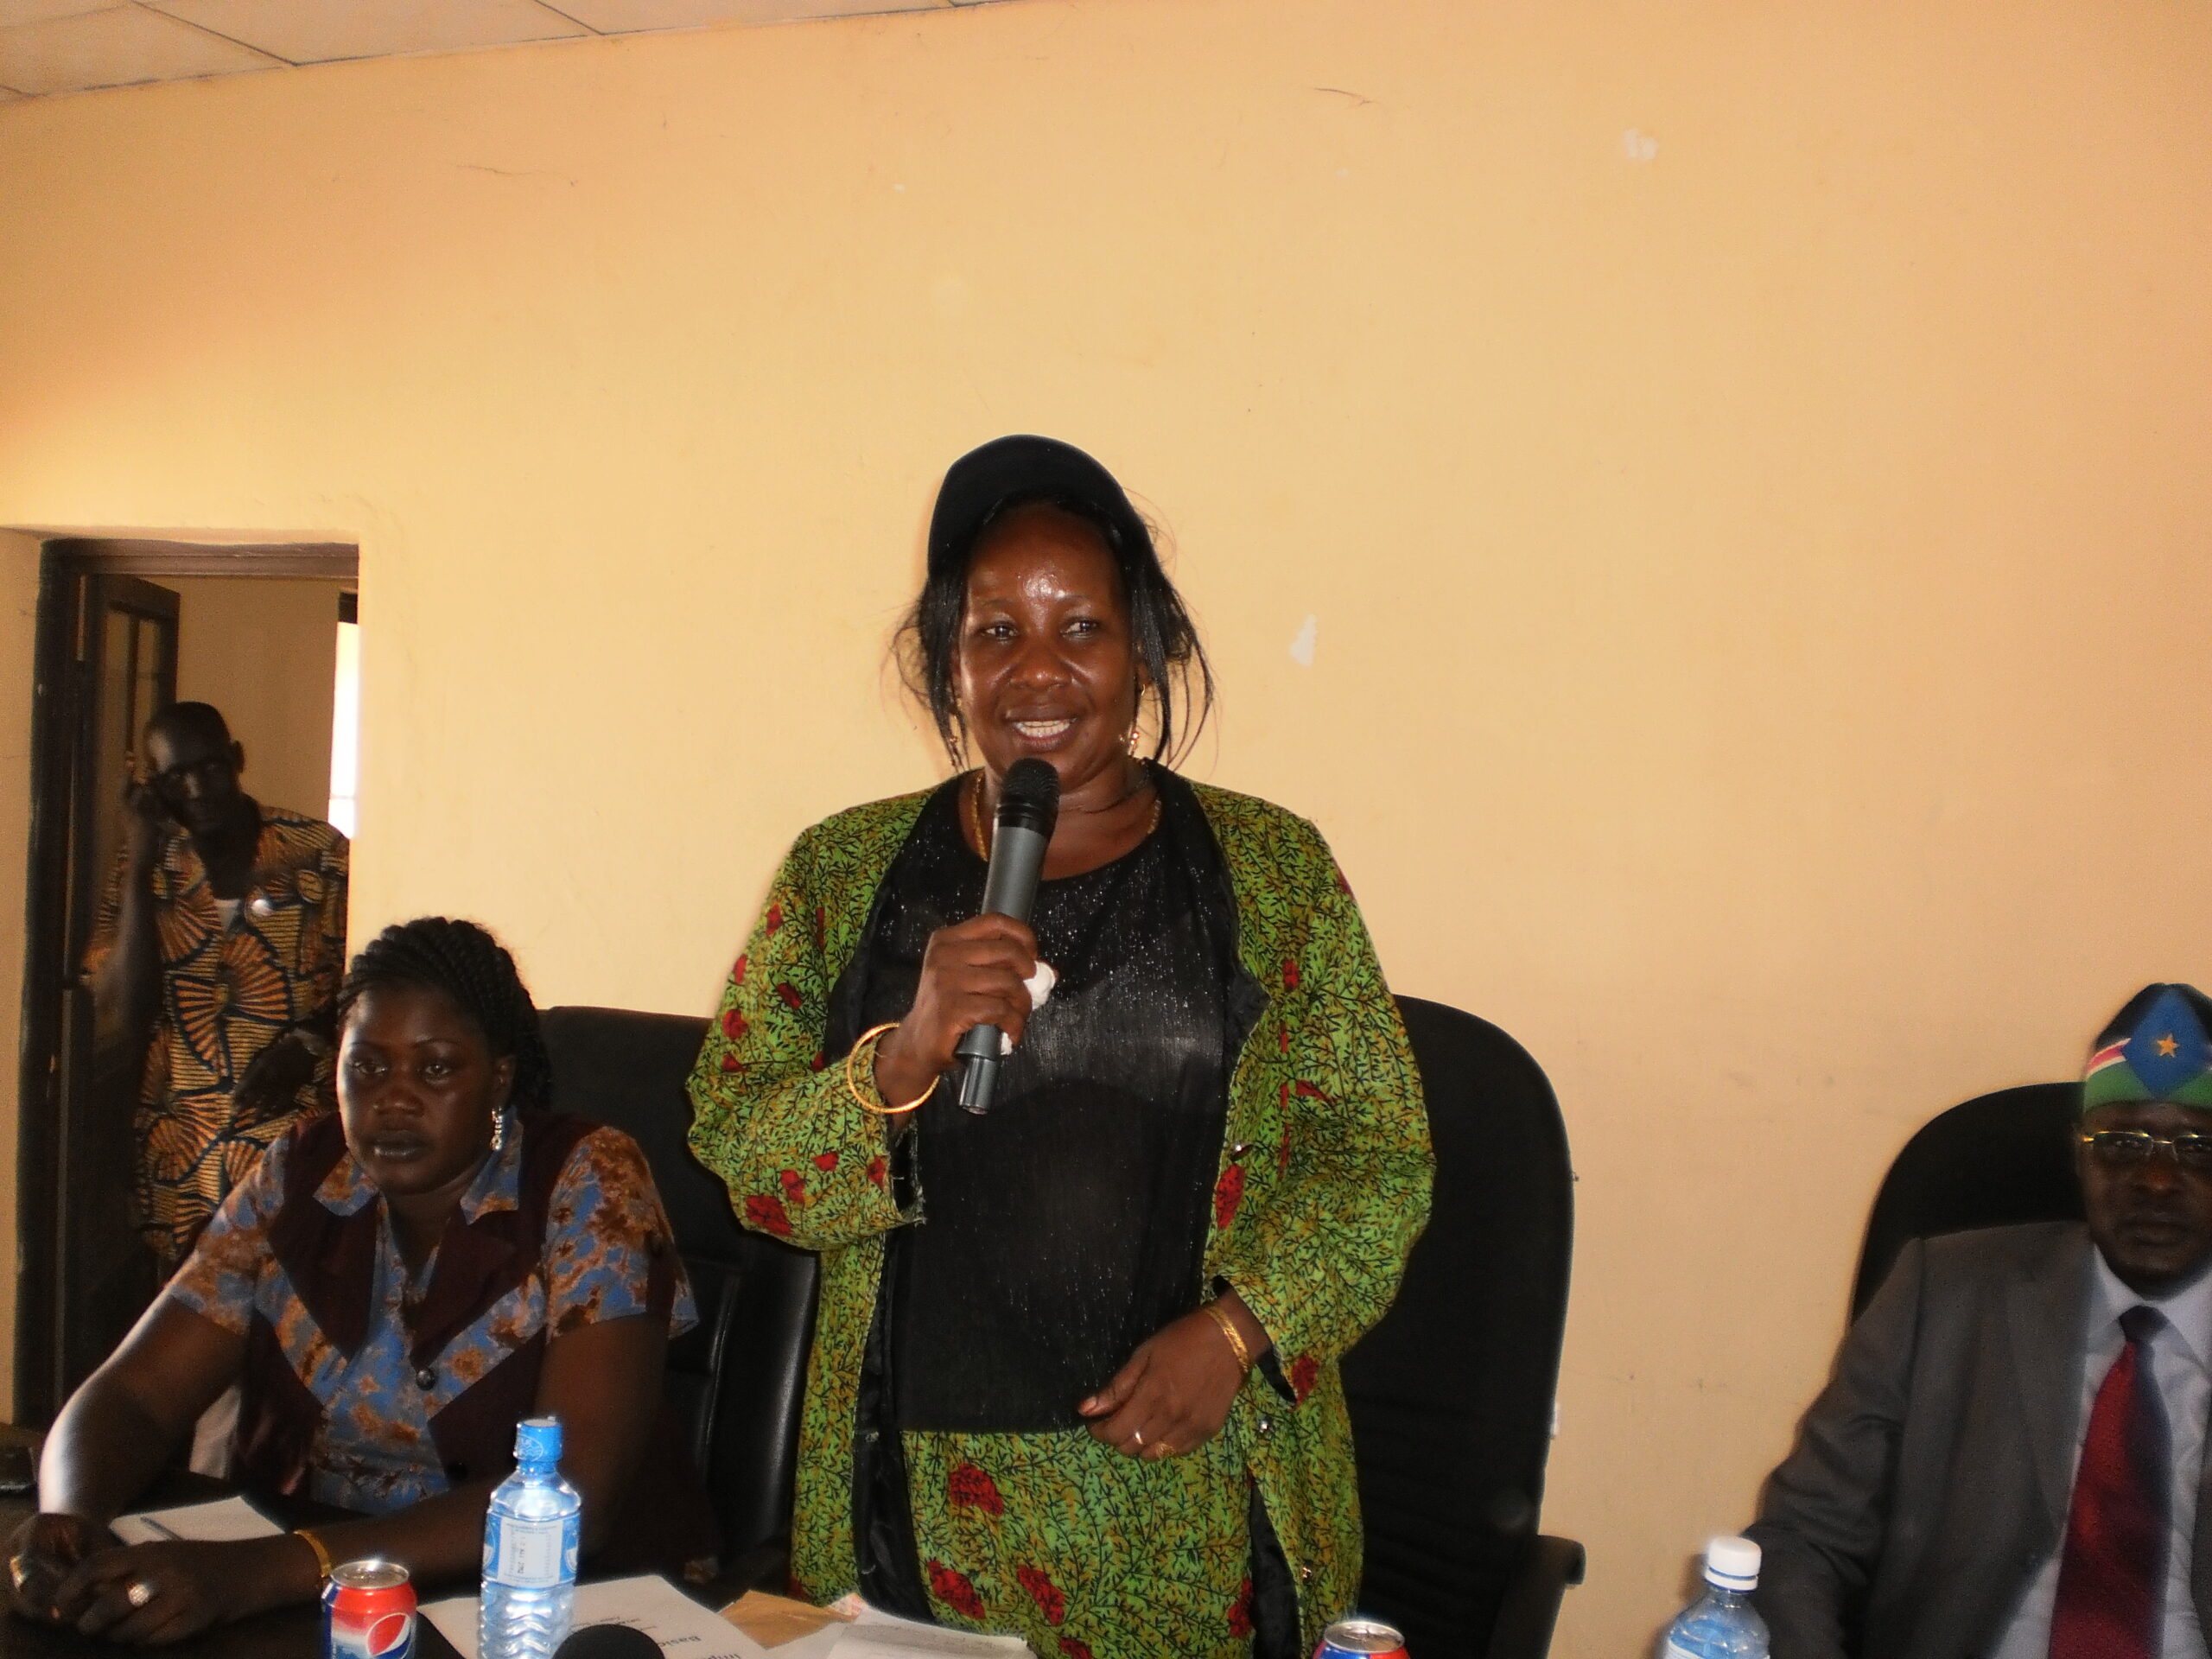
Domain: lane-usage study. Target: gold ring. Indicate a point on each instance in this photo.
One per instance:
(140, 1593)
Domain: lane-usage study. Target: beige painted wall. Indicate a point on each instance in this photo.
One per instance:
(265, 652)
(18, 627)
(1746, 463)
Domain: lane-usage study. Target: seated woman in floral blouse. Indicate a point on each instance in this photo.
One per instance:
(393, 1287)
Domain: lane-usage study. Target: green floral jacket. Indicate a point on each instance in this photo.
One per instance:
(1323, 1187)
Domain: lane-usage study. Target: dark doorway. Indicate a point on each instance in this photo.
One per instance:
(108, 649)
(108, 661)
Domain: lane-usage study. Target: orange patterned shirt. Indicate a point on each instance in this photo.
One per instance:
(226, 993)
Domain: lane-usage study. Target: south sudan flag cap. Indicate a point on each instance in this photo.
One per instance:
(2158, 1047)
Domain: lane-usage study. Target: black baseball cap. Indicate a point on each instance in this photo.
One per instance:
(1023, 467)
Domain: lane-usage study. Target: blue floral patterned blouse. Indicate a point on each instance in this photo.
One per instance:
(373, 1451)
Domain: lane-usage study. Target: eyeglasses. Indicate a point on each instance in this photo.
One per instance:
(2124, 1148)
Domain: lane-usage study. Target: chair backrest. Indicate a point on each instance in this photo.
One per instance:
(1451, 1393)
(1997, 1161)
(736, 1380)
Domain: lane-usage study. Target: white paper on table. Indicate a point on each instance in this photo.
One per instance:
(878, 1635)
(648, 1603)
(224, 1521)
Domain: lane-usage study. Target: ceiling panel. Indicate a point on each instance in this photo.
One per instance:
(39, 11)
(320, 31)
(66, 46)
(114, 47)
(622, 17)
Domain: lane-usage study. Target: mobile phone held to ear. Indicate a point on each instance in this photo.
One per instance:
(18, 1471)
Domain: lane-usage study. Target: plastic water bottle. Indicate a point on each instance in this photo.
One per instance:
(1722, 1624)
(530, 1535)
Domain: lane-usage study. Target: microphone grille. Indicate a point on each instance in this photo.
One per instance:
(1031, 787)
(608, 1641)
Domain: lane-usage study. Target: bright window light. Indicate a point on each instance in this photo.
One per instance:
(346, 728)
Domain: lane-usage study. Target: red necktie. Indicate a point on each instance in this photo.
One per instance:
(2112, 1580)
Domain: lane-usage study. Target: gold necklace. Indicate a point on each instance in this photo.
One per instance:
(984, 841)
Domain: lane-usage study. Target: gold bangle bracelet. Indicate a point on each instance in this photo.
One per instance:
(322, 1563)
(1229, 1329)
(868, 1039)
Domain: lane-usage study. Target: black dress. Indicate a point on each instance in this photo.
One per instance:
(1067, 1224)
(1060, 1230)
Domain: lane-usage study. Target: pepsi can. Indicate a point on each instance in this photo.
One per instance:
(1361, 1638)
(368, 1612)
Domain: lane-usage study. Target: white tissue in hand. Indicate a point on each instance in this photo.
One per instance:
(1039, 987)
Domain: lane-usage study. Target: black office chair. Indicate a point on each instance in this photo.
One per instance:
(1451, 1393)
(1997, 1161)
(736, 1379)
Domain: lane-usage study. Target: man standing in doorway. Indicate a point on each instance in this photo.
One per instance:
(221, 943)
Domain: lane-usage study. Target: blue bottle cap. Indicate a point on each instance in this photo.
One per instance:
(537, 1439)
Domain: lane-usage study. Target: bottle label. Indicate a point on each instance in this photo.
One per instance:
(531, 1554)
(1676, 1651)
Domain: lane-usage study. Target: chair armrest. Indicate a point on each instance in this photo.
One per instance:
(1533, 1594)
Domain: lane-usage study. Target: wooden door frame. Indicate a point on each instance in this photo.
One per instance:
(107, 556)
(64, 563)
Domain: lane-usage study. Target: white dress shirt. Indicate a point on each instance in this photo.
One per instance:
(2181, 1366)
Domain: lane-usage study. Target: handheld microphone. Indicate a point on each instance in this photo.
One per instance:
(1029, 805)
(608, 1641)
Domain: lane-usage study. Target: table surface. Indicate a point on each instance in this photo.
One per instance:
(285, 1633)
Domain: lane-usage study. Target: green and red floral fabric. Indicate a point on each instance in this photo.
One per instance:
(1323, 1187)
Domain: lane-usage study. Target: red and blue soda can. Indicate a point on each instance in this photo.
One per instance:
(1361, 1638)
(368, 1612)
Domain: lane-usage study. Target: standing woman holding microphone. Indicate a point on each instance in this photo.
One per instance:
(1074, 1371)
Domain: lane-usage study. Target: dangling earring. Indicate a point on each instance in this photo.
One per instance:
(499, 1130)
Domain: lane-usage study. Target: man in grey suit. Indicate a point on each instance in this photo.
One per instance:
(2009, 1461)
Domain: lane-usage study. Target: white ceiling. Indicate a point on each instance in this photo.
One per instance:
(48, 46)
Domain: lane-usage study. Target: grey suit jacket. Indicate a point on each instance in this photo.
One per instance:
(1932, 1476)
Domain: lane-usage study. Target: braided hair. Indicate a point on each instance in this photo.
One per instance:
(474, 970)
